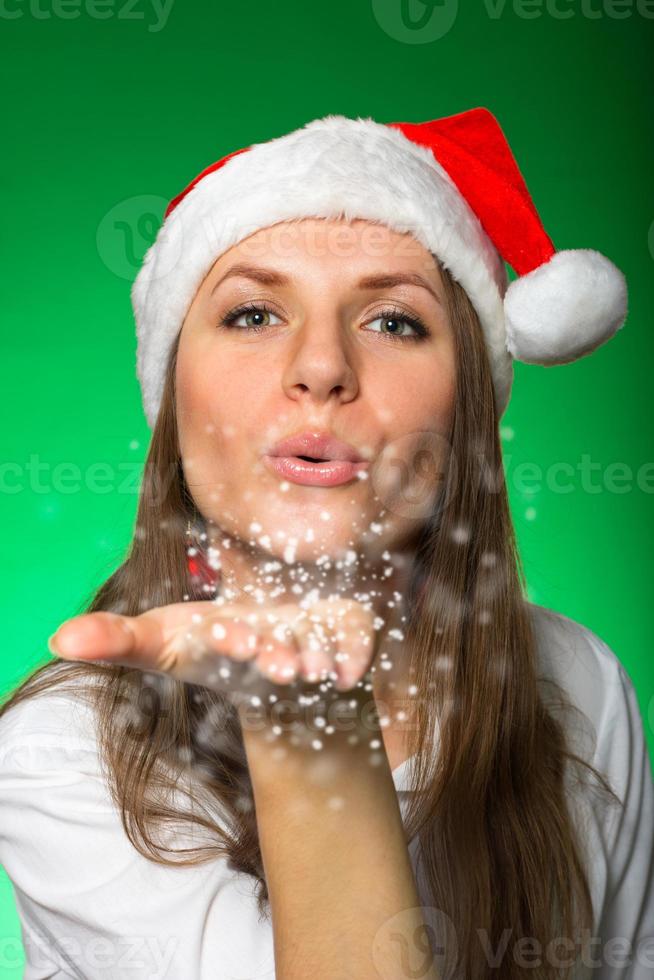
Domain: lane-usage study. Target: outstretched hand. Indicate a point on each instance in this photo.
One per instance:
(226, 646)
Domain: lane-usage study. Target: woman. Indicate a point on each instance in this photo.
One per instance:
(314, 727)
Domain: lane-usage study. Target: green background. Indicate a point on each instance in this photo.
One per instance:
(106, 119)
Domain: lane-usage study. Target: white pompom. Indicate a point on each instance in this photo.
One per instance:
(565, 308)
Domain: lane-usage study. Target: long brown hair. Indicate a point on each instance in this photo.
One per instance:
(498, 842)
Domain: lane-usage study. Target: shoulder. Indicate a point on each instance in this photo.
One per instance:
(49, 764)
(606, 728)
(59, 718)
(591, 675)
(569, 649)
(609, 733)
(80, 882)
(52, 766)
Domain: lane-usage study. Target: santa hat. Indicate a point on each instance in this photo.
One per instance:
(453, 183)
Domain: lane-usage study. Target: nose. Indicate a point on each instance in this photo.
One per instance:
(320, 365)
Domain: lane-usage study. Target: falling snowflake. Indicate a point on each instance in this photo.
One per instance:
(488, 559)
(460, 534)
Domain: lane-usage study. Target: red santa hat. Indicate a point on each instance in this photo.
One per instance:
(453, 183)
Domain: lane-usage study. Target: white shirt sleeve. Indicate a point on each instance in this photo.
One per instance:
(618, 841)
(626, 926)
(91, 905)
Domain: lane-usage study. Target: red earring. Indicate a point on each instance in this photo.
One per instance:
(202, 574)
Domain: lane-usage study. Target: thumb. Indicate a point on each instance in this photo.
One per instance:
(93, 636)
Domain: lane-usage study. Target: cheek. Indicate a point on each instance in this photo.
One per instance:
(197, 387)
(207, 392)
(217, 416)
(200, 415)
(423, 400)
(417, 423)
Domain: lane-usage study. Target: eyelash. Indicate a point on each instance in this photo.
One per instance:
(392, 313)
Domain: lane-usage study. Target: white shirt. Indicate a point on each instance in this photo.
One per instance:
(92, 907)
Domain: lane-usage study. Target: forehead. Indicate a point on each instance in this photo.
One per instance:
(332, 242)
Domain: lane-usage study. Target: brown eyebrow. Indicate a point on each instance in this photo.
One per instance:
(270, 277)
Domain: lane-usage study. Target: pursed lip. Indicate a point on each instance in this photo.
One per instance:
(319, 445)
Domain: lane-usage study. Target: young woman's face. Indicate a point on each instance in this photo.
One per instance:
(322, 350)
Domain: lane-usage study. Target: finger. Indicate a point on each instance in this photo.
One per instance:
(356, 642)
(317, 647)
(93, 636)
(104, 634)
(217, 652)
(278, 659)
(239, 638)
(150, 641)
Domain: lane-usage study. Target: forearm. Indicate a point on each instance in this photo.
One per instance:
(335, 858)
